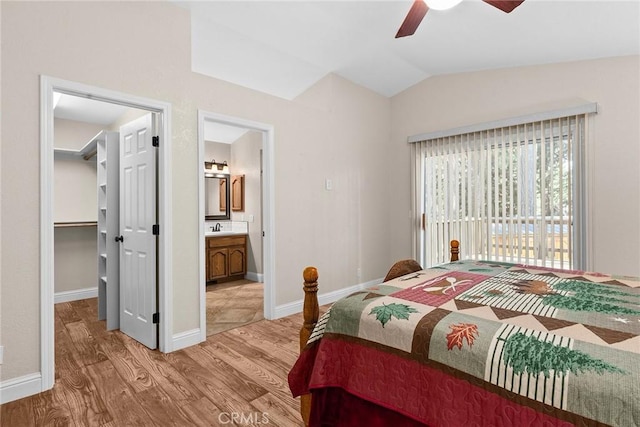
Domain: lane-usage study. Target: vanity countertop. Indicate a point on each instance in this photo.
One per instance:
(224, 233)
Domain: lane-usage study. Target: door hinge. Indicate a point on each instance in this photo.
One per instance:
(156, 229)
(156, 317)
(155, 141)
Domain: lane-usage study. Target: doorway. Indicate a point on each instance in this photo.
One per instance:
(260, 227)
(49, 86)
(87, 163)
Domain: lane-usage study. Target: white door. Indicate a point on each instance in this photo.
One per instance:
(138, 290)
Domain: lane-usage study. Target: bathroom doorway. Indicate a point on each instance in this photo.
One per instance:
(245, 150)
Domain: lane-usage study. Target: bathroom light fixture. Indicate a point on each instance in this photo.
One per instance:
(442, 4)
(214, 168)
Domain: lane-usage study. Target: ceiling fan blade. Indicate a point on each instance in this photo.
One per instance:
(414, 17)
(505, 5)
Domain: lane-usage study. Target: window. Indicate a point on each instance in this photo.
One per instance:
(513, 193)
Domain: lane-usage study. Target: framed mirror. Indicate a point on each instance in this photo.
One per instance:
(217, 196)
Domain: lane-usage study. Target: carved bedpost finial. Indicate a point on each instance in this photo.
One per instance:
(310, 275)
(455, 250)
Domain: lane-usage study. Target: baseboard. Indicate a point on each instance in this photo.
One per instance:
(186, 339)
(256, 277)
(78, 294)
(18, 388)
(327, 298)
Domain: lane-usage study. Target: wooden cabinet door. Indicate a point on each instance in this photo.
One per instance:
(237, 193)
(226, 257)
(237, 260)
(217, 263)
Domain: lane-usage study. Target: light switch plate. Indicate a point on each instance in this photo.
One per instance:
(1, 353)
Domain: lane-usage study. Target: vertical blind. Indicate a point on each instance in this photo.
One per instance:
(511, 193)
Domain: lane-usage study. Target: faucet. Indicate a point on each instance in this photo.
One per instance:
(217, 227)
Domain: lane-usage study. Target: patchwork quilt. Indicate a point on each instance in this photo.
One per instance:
(485, 343)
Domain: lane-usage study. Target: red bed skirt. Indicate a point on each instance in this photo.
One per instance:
(334, 407)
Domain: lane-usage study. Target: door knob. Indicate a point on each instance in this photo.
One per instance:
(119, 239)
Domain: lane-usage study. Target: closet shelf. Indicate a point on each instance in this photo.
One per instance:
(76, 224)
(108, 249)
(89, 150)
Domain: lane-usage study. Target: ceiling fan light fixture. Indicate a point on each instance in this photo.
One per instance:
(442, 4)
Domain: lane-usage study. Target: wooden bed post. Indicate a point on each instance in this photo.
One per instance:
(310, 313)
(455, 249)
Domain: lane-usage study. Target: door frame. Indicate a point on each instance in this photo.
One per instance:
(164, 258)
(268, 210)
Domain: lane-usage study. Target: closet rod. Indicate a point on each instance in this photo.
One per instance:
(76, 224)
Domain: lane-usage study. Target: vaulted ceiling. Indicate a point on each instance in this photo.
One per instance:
(284, 47)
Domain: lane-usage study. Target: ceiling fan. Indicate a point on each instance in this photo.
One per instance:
(420, 7)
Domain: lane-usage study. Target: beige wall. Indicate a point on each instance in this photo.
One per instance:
(75, 256)
(218, 151)
(335, 130)
(245, 160)
(456, 100)
(75, 193)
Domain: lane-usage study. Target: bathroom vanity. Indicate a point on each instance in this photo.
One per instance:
(226, 256)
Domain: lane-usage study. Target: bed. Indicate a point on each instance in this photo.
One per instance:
(473, 343)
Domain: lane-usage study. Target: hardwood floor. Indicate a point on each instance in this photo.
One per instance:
(108, 379)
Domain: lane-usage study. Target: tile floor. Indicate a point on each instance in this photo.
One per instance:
(233, 304)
